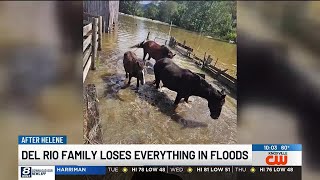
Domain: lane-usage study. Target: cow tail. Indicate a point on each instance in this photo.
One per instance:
(140, 45)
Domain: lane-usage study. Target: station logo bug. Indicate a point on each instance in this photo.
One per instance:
(29, 172)
(277, 158)
(26, 172)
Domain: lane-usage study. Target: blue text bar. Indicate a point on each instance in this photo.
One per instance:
(42, 140)
(80, 170)
(276, 147)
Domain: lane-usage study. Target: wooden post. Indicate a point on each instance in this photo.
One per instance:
(94, 42)
(100, 33)
(170, 28)
(92, 126)
(184, 42)
(104, 26)
(148, 35)
(215, 63)
(171, 42)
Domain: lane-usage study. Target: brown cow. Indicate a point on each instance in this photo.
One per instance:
(154, 50)
(134, 67)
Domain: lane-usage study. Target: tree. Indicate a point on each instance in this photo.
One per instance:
(151, 11)
(166, 10)
(130, 7)
(179, 13)
(214, 18)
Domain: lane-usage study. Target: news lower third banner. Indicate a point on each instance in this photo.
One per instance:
(48, 156)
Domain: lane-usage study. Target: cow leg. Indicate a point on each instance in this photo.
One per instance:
(126, 75)
(137, 83)
(144, 56)
(178, 99)
(129, 79)
(186, 99)
(157, 80)
(149, 57)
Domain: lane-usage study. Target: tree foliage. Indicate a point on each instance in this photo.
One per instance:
(214, 18)
(151, 11)
(131, 7)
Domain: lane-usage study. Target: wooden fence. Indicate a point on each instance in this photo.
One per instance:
(165, 40)
(173, 43)
(92, 36)
(205, 64)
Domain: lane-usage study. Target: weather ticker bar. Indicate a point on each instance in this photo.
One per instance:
(254, 172)
(205, 169)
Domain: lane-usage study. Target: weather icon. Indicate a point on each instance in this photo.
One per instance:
(189, 170)
(124, 169)
(252, 170)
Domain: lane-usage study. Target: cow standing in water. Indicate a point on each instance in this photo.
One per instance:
(154, 50)
(134, 67)
(186, 84)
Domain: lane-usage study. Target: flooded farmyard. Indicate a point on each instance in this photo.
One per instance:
(147, 115)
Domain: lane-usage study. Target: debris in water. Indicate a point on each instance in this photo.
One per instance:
(191, 124)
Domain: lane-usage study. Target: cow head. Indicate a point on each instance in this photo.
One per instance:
(166, 52)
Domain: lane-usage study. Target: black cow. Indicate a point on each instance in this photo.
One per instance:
(186, 84)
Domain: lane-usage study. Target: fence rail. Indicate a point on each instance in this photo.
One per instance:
(205, 64)
(165, 40)
(92, 36)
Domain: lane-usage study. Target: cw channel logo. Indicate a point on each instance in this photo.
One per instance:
(277, 158)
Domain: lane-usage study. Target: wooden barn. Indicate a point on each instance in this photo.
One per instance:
(107, 9)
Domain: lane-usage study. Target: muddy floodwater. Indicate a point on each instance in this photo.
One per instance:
(147, 116)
